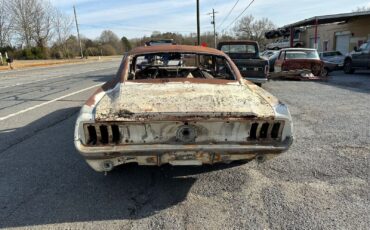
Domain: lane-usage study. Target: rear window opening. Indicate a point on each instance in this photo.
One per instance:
(180, 65)
(239, 48)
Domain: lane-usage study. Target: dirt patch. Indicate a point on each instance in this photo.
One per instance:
(21, 64)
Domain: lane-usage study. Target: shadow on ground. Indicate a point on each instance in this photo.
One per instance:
(43, 180)
(358, 82)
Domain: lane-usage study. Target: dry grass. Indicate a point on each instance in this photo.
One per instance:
(20, 64)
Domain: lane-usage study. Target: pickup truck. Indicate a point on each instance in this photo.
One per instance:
(358, 59)
(246, 56)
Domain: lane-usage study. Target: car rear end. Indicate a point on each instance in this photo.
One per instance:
(254, 70)
(245, 55)
(240, 125)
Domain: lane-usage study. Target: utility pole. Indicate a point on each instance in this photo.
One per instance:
(78, 32)
(213, 22)
(198, 23)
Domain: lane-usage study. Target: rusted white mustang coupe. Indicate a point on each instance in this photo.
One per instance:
(182, 105)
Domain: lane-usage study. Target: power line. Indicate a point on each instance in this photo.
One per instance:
(227, 16)
(239, 15)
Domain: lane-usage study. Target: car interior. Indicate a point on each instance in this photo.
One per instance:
(179, 65)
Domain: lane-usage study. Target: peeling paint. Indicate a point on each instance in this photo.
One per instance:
(180, 121)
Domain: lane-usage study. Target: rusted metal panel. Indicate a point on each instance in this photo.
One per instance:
(137, 100)
(194, 132)
(179, 120)
(175, 48)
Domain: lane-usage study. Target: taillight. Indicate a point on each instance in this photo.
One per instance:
(266, 130)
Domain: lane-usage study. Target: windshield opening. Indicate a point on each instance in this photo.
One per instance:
(179, 65)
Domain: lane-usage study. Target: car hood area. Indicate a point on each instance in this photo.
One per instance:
(132, 101)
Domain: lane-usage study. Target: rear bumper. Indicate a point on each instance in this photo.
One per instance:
(257, 80)
(255, 77)
(103, 151)
(105, 158)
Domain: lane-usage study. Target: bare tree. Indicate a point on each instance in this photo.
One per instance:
(362, 9)
(32, 20)
(23, 12)
(43, 23)
(249, 28)
(108, 37)
(5, 25)
(62, 24)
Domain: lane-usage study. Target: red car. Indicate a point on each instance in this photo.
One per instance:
(300, 64)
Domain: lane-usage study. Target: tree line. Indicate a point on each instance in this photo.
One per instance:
(247, 28)
(35, 29)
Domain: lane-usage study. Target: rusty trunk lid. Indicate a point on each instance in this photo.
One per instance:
(133, 101)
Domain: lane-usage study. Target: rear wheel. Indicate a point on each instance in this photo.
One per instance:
(348, 67)
(316, 70)
(324, 72)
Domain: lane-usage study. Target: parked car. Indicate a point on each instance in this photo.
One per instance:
(284, 43)
(268, 53)
(358, 59)
(246, 56)
(335, 57)
(299, 63)
(199, 112)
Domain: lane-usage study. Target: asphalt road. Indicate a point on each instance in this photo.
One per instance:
(322, 182)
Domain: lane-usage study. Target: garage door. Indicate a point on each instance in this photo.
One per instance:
(342, 43)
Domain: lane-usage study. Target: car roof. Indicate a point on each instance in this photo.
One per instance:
(237, 41)
(176, 48)
(297, 49)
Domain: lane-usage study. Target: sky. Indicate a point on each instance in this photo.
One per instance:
(136, 18)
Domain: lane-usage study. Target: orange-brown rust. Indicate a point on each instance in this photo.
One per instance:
(123, 71)
(110, 84)
(179, 49)
(176, 48)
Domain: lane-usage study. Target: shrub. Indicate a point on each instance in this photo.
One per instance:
(108, 50)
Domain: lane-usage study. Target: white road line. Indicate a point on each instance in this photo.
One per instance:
(51, 78)
(46, 103)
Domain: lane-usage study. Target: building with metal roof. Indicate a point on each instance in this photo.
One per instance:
(341, 32)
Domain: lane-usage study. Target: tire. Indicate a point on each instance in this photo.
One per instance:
(316, 70)
(348, 68)
(259, 84)
(325, 72)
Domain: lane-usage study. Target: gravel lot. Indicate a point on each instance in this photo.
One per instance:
(322, 182)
